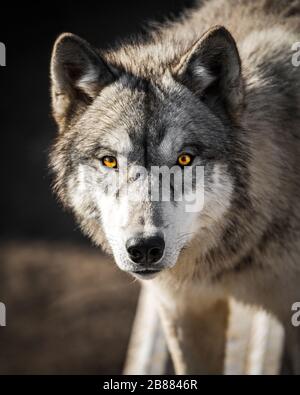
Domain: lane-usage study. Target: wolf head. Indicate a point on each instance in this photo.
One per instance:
(131, 140)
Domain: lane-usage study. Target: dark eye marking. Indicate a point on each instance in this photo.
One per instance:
(201, 150)
(194, 148)
(98, 151)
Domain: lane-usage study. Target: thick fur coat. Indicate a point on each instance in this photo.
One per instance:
(220, 84)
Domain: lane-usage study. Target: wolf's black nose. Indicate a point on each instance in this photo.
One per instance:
(145, 250)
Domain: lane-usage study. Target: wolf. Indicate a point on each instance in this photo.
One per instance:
(215, 88)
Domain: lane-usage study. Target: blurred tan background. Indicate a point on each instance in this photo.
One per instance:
(69, 310)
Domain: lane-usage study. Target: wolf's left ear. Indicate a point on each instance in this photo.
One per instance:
(78, 73)
(212, 68)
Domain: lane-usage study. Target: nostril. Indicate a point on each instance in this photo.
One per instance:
(155, 252)
(135, 253)
(136, 250)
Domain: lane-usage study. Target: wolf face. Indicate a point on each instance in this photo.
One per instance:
(144, 156)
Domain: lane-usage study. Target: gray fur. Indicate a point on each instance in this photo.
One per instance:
(231, 99)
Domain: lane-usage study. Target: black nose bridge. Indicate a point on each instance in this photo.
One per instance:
(145, 250)
(156, 214)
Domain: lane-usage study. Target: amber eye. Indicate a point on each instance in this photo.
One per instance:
(185, 160)
(110, 161)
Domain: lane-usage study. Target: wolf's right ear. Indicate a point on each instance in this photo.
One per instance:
(78, 73)
(212, 69)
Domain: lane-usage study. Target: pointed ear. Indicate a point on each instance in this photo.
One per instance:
(212, 69)
(78, 73)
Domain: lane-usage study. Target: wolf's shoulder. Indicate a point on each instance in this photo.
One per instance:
(249, 21)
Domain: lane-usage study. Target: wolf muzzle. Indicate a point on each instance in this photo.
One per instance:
(146, 252)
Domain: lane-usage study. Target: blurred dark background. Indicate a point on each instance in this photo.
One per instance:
(69, 309)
